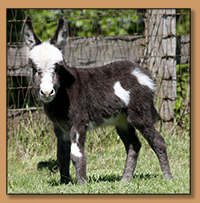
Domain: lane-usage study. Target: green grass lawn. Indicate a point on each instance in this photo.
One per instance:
(32, 167)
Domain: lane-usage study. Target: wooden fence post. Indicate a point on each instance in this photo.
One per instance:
(161, 59)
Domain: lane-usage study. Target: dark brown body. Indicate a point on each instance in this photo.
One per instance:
(119, 94)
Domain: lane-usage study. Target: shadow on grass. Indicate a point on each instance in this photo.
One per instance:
(104, 178)
(114, 177)
(52, 166)
(146, 176)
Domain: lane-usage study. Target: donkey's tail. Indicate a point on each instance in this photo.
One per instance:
(156, 117)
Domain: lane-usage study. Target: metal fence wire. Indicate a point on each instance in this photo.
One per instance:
(157, 39)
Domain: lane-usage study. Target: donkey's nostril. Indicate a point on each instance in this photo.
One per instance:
(47, 93)
(41, 92)
(52, 92)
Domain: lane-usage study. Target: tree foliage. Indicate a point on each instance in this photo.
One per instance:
(183, 21)
(14, 25)
(89, 22)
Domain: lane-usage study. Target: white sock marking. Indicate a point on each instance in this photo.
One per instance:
(144, 79)
(74, 147)
(75, 150)
(123, 94)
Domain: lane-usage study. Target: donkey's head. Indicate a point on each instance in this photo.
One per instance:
(45, 58)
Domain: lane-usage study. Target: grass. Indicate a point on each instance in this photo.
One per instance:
(32, 167)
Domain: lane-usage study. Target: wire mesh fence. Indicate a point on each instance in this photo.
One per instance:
(157, 39)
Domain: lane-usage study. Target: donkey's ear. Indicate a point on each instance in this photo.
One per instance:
(61, 34)
(30, 38)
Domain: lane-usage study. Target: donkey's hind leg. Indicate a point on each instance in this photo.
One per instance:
(132, 145)
(157, 143)
(155, 140)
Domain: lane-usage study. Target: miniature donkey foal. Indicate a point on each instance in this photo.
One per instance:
(77, 99)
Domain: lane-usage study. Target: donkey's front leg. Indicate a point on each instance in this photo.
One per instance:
(63, 154)
(78, 157)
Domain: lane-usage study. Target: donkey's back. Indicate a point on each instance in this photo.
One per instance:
(107, 91)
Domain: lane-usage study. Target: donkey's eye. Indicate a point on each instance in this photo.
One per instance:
(39, 72)
(57, 69)
(34, 69)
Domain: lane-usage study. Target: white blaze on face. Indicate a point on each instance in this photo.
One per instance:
(46, 85)
(45, 56)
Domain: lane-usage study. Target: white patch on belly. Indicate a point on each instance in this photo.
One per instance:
(75, 150)
(123, 94)
(92, 125)
(144, 79)
(119, 120)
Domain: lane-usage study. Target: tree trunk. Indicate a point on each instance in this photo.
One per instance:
(161, 59)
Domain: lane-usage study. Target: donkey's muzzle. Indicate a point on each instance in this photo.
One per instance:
(47, 96)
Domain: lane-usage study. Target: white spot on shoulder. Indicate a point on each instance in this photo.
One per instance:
(144, 79)
(75, 150)
(122, 93)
